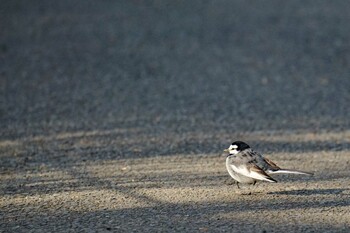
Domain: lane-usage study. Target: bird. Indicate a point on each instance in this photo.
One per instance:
(247, 166)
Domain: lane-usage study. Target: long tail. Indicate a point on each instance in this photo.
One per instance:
(290, 172)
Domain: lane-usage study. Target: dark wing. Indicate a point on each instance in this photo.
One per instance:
(273, 166)
(251, 164)
(264, 163)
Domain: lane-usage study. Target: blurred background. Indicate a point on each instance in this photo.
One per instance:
(177, 66)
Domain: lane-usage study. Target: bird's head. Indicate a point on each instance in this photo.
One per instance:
(237, 147)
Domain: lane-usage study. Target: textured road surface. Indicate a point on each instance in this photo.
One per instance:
(113, 114)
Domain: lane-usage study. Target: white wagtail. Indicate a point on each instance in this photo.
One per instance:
(247, 166)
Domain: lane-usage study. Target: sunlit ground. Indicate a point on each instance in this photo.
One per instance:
(48, 185)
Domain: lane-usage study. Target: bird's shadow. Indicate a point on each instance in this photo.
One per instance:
(308, 192)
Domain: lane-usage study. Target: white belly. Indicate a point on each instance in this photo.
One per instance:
(238, 177)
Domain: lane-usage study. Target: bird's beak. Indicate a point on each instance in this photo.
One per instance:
(226, 150)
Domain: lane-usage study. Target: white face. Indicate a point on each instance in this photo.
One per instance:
(233, 149)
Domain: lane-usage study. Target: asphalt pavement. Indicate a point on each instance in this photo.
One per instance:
(114, 114)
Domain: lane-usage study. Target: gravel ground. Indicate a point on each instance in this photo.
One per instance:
(114, 114)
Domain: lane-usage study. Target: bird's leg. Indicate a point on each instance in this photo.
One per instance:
(255, 185)
(237, 183)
